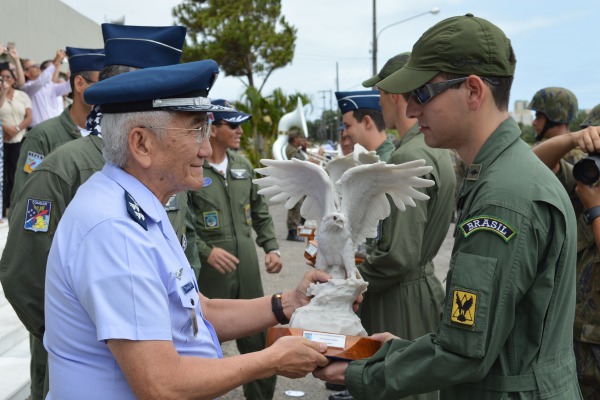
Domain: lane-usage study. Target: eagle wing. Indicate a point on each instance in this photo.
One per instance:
(293, 179)
(364, 190)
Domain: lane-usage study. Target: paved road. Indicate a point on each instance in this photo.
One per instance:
(293, 270)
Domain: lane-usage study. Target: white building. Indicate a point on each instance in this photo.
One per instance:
(521, 113)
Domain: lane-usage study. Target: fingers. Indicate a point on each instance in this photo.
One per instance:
(383, 337)
(222, 260)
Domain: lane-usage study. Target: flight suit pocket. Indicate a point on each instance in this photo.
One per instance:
(467, 309)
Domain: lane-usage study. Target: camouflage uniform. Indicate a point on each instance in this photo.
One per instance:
(586, 331)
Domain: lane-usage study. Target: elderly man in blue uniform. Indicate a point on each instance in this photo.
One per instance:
(53, 183)
(85, 66)
(228, 208)
(363, 121)
(507, 323)
(119, 282)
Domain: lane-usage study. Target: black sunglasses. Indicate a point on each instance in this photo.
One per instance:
(428, 91)
(231, 125)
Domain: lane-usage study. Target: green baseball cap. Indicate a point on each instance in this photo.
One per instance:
(461, 45)
(392, 65)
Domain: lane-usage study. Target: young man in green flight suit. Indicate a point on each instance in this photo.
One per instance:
(54, 182)
(228, 208)
(506, 329)
(586, 202)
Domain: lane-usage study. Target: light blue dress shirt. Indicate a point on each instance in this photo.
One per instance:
(109, 278)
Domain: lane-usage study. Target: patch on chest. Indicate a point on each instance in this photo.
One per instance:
(486, 223)
(211, 219)
(464, 305)
(37, 215)
(32, 162)
(172, 204)
(239, 174)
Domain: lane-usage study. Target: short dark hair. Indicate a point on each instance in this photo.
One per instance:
(376, 116)
(293, 134)
(84, 74)
(500, 86)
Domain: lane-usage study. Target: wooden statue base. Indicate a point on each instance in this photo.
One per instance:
(339, 347)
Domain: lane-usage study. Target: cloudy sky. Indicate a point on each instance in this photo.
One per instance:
(556, 42)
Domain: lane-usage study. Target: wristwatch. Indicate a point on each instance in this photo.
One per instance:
(591, 214)
(276, 252)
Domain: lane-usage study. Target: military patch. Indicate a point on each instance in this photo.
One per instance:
(134, 210)
(37, 215)
(211, 219)
(172, 204)
(206, 182)
(187, 287)
(464, 305)
(183, 242)
(32, 162)
(248, 214)
(486, 223)
(239, 174)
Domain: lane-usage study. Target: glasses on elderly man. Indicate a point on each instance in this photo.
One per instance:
(32, 66)
(202, 133)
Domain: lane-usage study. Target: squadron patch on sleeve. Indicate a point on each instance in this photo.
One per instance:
(134, 210)
(37, 215)
(464, 305)
(487, 223)
(211, 219)
(32, 161)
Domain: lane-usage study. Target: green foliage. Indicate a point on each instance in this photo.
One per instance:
(527, 133)
(579, 118)
(261, 131)
(247, 38)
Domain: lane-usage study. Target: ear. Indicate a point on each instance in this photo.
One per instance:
(396, 98)
(213, 131)
(368, 121)
(141, 142)
(79, 83)
(478, 91)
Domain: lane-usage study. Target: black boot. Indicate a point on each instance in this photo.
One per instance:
(293, 236)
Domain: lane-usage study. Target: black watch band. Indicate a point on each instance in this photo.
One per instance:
(277, 308)
(591, 214)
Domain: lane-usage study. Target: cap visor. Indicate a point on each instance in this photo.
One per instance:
(405, 80)
(202, 108)
(371, 81)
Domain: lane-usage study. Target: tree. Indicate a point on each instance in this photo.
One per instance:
(247, 38)
(261, 131)
(527, 133)
(579, 118)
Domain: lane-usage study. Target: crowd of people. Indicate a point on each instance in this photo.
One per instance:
(133, 225)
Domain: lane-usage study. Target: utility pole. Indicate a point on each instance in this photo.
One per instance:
(374, 37)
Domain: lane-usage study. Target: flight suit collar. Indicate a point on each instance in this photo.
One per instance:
(67, 123)
(409, 135)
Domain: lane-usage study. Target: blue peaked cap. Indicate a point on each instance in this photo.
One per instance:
(85, 59)
(180, 87)
(361, 99)
(234, 117)
(143, 46)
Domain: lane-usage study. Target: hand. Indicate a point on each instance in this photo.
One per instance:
(333, 373)
(383, 337)
(60, 55)
(589, 195)
(273, 263)
(12, 52)
(222, 260)
(2, 49)
(295, 356)
(588, 139)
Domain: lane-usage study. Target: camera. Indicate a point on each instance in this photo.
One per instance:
(587, 170)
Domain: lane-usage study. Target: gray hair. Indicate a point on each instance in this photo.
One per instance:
(116, 127)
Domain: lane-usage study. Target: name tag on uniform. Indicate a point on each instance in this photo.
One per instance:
(239, 174)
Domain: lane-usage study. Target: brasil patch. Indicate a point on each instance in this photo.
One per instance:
(32, 162)
(486, 223)
(37, 215)
(464, 305)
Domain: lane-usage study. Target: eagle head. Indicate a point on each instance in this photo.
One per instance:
(334, 221)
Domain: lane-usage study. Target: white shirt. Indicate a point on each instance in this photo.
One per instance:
(43, 93)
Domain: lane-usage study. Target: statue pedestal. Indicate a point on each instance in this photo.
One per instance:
(340, 347)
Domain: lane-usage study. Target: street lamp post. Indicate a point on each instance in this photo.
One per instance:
(433, 11)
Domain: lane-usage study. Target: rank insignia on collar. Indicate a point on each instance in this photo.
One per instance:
(464, 306)
(239, 174)
(32, 162)
(473, 172)
(486, 223)
(37, 215)
(135, 212)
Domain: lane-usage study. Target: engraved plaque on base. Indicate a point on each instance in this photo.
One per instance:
(339, 347)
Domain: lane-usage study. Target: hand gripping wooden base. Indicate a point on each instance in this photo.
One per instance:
(354, 347)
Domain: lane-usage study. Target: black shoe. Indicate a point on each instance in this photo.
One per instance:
(334, 386)
(343, 395)
(293, 236)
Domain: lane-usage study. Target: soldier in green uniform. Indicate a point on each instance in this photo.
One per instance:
(363, 121)
(555, 108)
(510, 291)
(85, 66)
(292, 150)
(586, 332)
(228, 208)
(57, 178)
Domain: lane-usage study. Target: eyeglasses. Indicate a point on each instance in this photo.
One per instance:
(202, 132)
(428, 91)
(32, 66)
(232, 126)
